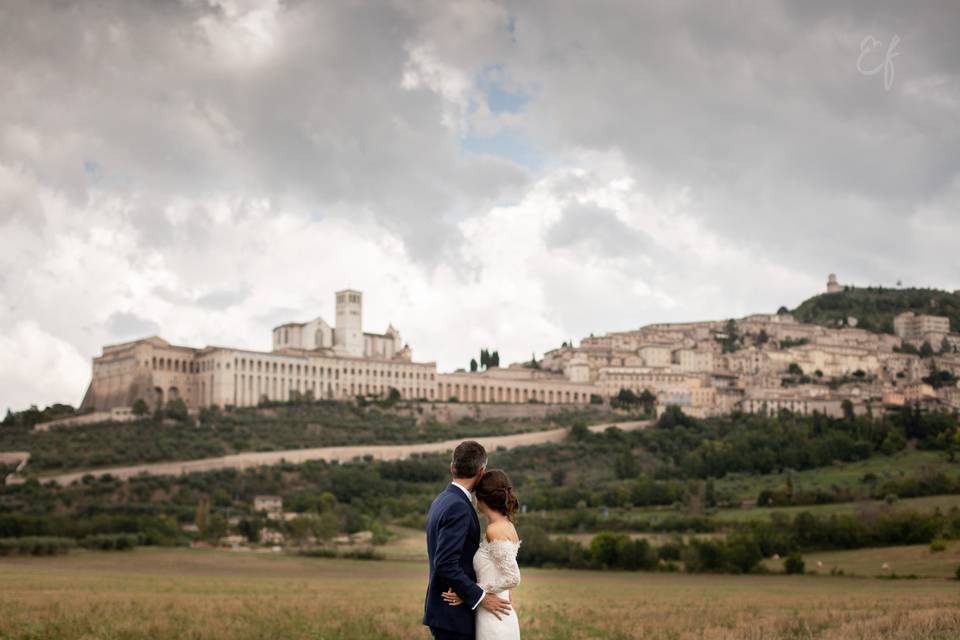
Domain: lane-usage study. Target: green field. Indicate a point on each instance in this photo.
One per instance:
(913, 560)
(924, 504)
(848, 475)
(213, 595)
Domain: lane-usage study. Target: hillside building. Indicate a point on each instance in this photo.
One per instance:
(913, 327)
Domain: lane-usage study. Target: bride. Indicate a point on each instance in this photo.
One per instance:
(496, 560)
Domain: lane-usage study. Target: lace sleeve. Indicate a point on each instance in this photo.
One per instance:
(503, 553)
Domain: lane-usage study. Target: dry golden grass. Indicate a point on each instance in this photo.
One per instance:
(210, 595)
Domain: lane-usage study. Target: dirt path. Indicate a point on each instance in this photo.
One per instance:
(341, 454)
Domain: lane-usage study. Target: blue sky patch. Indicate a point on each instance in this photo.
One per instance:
(508, 144)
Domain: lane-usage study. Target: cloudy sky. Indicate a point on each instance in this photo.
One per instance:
(509, 175)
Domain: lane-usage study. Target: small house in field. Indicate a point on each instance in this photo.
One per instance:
(270, 504)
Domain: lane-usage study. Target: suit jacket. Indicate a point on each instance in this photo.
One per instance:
(453, 537)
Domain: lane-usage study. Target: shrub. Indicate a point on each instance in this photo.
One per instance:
(794, 564)
(937, 545)
(579, 431)
(111, 541)
(35, 546)
(362, 554)
(318, 553)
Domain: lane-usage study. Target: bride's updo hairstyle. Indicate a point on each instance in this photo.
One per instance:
(495, 490)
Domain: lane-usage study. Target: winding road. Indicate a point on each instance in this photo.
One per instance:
(340, 454)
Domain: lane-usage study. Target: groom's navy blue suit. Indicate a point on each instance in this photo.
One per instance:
(453, 536)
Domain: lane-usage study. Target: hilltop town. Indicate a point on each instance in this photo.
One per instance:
(762, 363)
(765, 363)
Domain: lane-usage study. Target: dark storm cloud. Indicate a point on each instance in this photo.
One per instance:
(760, 111)
(188, 100)
(598, 230)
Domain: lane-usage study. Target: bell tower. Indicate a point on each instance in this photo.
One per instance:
(348, 333)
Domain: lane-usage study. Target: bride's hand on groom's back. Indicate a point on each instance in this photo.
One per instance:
(451, 598)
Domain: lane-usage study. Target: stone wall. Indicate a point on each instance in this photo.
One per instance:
(454, 411)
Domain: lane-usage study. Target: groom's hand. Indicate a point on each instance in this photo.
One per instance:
(496, 605)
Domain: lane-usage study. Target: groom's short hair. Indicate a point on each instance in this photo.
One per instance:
(468, 458)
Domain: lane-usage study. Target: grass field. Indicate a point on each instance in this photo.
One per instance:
(847, 475)
(211, 595)
(917, 560)
(924, 505)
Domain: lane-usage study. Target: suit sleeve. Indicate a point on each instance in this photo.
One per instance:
(453, 530)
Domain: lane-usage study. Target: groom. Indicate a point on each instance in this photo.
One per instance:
(453, 536)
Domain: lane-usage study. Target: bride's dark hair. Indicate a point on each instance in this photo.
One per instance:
(495, 490)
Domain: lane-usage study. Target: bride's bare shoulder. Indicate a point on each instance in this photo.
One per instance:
(502, 530)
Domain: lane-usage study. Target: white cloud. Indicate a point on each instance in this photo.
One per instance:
(39, 368)
(213, 168)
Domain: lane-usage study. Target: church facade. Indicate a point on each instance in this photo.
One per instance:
(308, 359)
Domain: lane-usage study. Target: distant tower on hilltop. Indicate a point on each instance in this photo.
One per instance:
(348, 333)
(832, 285)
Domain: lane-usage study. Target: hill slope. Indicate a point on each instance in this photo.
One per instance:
(875, 307)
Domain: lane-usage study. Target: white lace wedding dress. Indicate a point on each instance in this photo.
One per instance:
(497, 572)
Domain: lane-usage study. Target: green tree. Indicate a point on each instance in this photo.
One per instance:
(326, 526)
(201, 517)
(140, 408)
(604, 548)
(945, 346)
(633, 555)
(848, 413)
(217, 527)
(579, 431)
(558, 477)
(648, 400)
(176, 409)
(625, 465)
(710, 494)
(494, 359)
(327, 502)
(731, 337)
(926, 351)
(473, 365)
(299, 528)
(893, 442)
(794, 564)
(484, 358)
